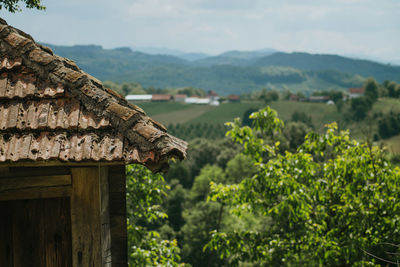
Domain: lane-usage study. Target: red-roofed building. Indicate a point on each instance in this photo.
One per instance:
(356, 92)
(161, 97)
(234, 98)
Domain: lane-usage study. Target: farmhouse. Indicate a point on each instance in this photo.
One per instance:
(356, 92)
(160, 98)
(234, 98)
(64, 143)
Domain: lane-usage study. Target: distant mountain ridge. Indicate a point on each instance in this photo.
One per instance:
(229, 72)
(305, 61)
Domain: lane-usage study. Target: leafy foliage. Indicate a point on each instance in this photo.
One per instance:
(389, 125)
(330, 201)
(13, 6)
(145, 193)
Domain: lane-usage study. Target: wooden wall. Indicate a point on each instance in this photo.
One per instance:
(35, 232)
(96, 198)
(119, 237)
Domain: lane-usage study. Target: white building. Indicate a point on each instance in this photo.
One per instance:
(138, 97)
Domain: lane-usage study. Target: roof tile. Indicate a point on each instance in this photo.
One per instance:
(87, 120)
(9, 64)
(16, 40)
(39, 56)
(64, 113)
(122, 112)
(51, 110)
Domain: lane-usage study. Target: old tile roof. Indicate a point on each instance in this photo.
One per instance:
(160, 97)
(356, 90)
(51, 110)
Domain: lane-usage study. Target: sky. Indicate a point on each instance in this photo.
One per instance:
(357, 28)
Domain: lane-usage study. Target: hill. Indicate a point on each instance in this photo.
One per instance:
(230, 72)
(105, 63)
(238, 58)
(306, 61)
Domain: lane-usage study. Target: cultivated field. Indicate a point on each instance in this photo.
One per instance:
(172, 113)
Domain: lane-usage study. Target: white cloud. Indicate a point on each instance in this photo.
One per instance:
(329, 26)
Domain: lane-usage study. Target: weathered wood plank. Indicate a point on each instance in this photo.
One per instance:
(86, 217)
(6, 245)
(29, 182)
(56, 233)
(105, 218)
(35, 193)
(34, 171)
(119, 239)
(35, 232)
(58, 163)
(26, 222)
(4, 171)
(117, 181)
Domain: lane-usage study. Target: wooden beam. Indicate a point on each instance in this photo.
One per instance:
(59, 163)
(35, 193)
(35, 171)
(86, 217)
(29, 182)
(105, 217)
(119, 236)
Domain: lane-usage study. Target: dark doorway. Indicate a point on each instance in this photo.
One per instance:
(35, 233)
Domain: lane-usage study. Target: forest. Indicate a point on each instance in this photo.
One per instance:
(274, 193)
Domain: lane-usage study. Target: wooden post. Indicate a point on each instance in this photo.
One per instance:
(86, 217)
(105, 217)
(119, 241)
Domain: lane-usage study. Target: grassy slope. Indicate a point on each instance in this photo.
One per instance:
(226, 112)
(321, 114)
(153, 108)
(181, 116)
(171, 112)
(393, 144)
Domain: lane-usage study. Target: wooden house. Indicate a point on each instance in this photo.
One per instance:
(64, 143)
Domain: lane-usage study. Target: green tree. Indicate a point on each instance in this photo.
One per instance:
(360, 107)
(371, 90)
(331, 202)
(269, 95)
(294, 132)
(13, 6)
(300, 116)
(201, 185)
(175, 201)
(238, 168)
(145, 193)
(201, 217)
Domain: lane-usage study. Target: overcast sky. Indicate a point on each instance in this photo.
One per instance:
(370, 28)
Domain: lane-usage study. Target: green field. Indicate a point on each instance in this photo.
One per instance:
(173, 113)
(156, 108)
(170, 112)
(321, 114)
